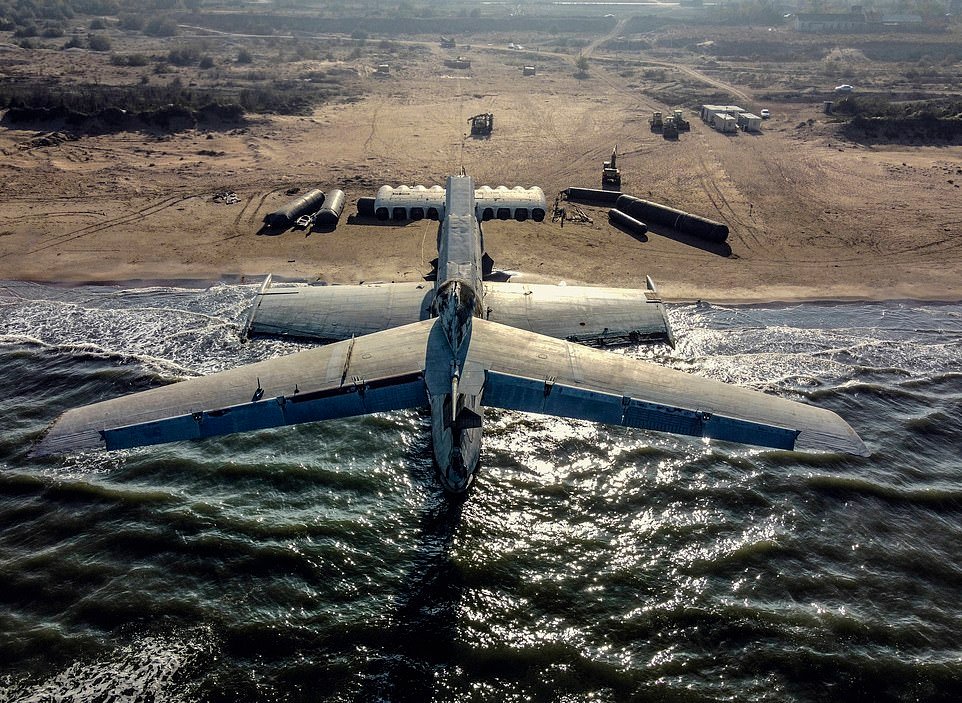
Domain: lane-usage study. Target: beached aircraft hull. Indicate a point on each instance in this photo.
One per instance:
(457, 347)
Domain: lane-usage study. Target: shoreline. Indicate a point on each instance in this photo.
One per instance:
(204, 282)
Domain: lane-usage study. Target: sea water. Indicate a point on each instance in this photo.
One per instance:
(588, 563)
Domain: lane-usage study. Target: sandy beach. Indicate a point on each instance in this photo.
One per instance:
(812, 216)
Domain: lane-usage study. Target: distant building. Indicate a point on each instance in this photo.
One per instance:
(830, 22)
(859, 21)
(902, 21)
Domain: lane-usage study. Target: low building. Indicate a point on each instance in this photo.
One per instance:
(724, 122)
(749, 122)
(708, 112)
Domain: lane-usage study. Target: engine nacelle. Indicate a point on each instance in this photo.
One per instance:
(502, 203)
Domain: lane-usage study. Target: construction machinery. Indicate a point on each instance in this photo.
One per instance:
(669, 129)
(482, 125)
(610, 175)
(681, 124)
(656, 122)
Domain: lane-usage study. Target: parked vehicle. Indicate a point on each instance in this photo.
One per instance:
(844, 88)
(764, 114)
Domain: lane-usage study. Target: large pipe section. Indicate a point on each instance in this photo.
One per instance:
(617, 217)
(333, 207)
(697, 226)
(592, 195)
(286, 216)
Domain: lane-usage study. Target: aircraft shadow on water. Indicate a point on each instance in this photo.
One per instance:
(457, 345)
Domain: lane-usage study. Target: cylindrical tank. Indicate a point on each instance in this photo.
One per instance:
(627, 221)
(697, 226)
(333, 207)
(284, 217)
(365, 207)
(592, 195)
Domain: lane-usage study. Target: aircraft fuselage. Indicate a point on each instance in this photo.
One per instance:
(456, 409)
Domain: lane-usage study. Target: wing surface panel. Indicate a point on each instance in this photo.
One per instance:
(376, 373)
(551, 376)
(585, 314)
(327, 313)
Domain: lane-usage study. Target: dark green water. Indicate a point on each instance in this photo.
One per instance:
(323, 562)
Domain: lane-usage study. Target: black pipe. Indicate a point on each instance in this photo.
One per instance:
(695, 225)
(592, 195)
(617, 217)
(333, 207)
(308, 203)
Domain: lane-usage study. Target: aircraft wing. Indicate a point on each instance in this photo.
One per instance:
(393, 369)
(539, 374)
(585, 314)
(376, 373)
(333, 313)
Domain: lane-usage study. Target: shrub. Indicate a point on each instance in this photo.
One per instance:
(183, 56)
(132, 22)
(129, 60)
(98, 23)
(98, 42)
(161, 27)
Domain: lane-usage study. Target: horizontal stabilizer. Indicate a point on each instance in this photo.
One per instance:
(334, 313)
(585, 314)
